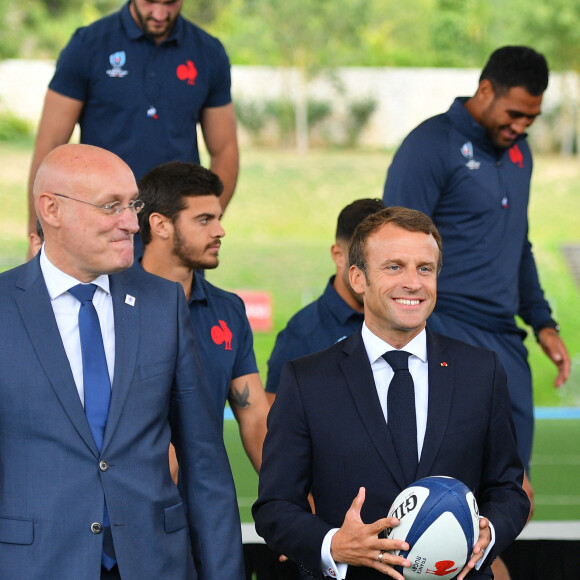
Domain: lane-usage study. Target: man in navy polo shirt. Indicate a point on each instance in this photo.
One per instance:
(336, 314)
(181, 232)
(138, 82)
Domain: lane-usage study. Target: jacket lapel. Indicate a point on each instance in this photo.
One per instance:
(359, 378)
(441, 386)
(33, 303)
(126, 306)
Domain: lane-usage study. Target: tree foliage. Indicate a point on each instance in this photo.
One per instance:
(315, 34)
(41, 28)
(554, 29)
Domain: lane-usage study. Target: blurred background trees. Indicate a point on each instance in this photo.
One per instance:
(314, 34)
(309, 37)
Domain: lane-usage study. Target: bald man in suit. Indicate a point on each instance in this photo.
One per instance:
(85, 487)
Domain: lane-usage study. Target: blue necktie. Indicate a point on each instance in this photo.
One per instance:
(401, 414)
(97, 388)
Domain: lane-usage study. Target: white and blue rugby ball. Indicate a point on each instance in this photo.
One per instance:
(439, 520)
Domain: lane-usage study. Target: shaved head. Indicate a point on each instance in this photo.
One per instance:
(81, 239)
(76, 169)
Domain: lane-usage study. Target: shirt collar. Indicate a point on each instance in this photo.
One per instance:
(198, 293)
(57, 282)
(463, 120)
(376, 346)
(337, 306)
(134, 31)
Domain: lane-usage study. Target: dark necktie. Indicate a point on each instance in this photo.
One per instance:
(402, 418)
(97, 387)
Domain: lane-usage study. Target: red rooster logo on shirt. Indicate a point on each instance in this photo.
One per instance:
(221, 334)
(516, 156)
(187, 72)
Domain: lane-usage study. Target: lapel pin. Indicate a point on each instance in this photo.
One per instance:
(130, 300)
(443, 364)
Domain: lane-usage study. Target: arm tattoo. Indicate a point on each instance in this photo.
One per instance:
(241, 399)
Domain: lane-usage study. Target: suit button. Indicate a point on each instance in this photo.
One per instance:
(96, 528)
(103, 465)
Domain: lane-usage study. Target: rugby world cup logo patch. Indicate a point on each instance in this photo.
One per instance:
(467, 152)
(117, 60)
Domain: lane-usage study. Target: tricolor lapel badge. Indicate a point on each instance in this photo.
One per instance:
(443, 364)
(130, 300)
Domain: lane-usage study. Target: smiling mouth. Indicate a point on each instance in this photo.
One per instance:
(407, 301)
(508, 133)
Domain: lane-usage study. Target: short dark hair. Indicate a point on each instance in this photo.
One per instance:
(353, 214)
(516, 66)
(164, 188)
(411, 220)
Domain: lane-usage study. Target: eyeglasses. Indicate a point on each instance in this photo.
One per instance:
(113, 208)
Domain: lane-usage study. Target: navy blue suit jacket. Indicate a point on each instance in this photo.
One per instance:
(327, 433)
(51, 486)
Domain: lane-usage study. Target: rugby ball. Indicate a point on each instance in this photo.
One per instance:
(439, 520)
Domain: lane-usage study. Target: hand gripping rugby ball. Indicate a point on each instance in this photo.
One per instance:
(439, 520)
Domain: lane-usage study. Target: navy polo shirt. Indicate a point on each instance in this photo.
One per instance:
(141, 100)
(477, 195)
(224, 336)
(315, 327)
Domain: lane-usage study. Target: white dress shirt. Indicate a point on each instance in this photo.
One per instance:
(383, 373)
(66, 311)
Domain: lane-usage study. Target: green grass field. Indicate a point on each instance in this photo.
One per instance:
(555, 470)
(280, 226)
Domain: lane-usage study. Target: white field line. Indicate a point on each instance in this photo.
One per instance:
(533, 531)
(539, 460)
(551, 531)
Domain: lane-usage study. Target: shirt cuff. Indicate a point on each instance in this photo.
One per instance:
(327, 564)
(488, 549)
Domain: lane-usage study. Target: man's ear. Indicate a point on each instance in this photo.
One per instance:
(49, 210)
(485, 92)
(161, 226)
(358, 280)
(35, 243)
(338, 256)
